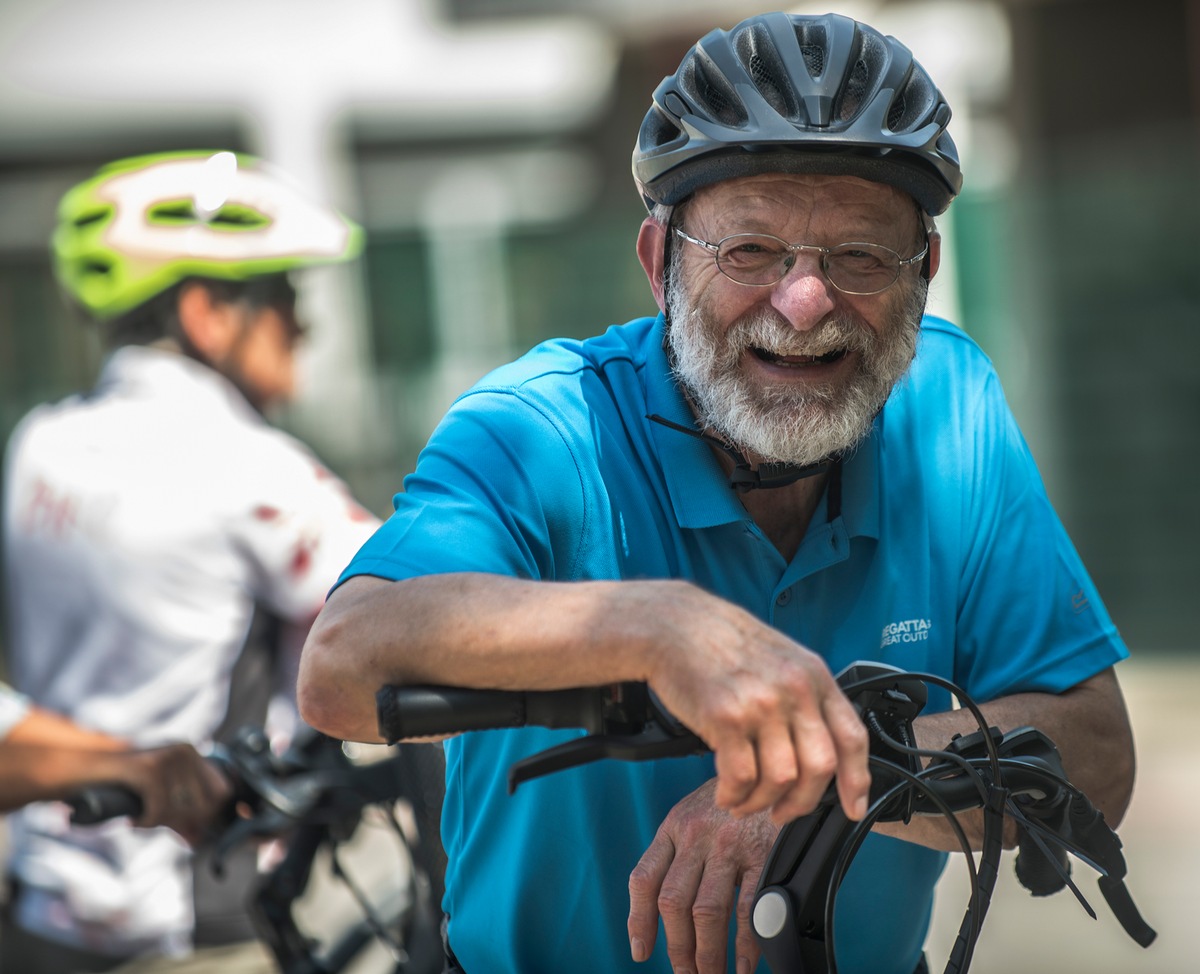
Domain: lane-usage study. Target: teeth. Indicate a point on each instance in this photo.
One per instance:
(826, 357)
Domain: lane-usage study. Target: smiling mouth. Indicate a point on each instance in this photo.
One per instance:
(799, 360)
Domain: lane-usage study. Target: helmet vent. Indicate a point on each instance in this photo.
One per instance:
(177, 211)
(710, 93)
(92, 216)
(869, 62)
(813, 41)
(766, 69)
(913, 103)
(657, 130)
(855, 94)
(91, 269)
(238, 218)
(230, 217)
(814, 59)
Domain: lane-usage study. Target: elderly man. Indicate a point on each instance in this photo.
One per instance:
(788, 469)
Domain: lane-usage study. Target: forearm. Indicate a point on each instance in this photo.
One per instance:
(48, 757)
(464, 630)
(1087, 723)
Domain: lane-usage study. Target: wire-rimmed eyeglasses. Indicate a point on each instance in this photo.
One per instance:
(760, 260)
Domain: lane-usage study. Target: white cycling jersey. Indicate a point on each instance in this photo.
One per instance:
(143, 523)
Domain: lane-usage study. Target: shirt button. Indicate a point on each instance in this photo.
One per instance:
(784, 597)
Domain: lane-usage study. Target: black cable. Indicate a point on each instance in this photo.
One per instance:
(922, 781)
(859, 834)
(964, 699)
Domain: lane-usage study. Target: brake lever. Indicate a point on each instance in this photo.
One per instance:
(652, 743)
(1088, 836)
(635, 727)
(1067, 817)
(262, 825)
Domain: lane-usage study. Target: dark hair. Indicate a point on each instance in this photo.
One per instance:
(159, 317)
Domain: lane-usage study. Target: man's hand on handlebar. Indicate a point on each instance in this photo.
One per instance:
(769, 708)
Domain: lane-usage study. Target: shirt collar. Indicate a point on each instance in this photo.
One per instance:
(142, 369)
(697, 484)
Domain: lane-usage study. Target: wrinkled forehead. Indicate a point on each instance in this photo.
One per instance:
(815, 195)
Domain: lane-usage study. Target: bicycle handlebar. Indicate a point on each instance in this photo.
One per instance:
(429, 711)
(99, 803)
(315, 796)
(1019, 773)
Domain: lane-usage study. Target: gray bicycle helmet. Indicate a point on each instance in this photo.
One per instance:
(797, 94)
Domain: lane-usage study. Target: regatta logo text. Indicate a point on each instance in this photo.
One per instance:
(908, 631)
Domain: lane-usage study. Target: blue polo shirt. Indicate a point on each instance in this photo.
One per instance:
(945, 556)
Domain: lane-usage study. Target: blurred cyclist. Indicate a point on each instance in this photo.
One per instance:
(145, 523)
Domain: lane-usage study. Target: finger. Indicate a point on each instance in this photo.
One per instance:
(217, 788)
(711, 910)
(737, 771)
(778, 769)
(852, 745)
(746, 948)
(645, 883)
(152, 811)
(676, 900)
(817, 756)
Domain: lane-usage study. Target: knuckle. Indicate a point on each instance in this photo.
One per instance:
(821, 765)
(781, 776)
(640, 883)
(729, 714)
(672, 903)
(800, 689)
(707, 911)
(741, 776)
(857, 733)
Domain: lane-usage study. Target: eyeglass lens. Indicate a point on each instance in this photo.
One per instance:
(858, 268)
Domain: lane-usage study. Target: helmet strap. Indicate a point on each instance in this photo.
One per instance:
(745, 476)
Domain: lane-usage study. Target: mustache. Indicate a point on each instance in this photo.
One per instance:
(769, 331)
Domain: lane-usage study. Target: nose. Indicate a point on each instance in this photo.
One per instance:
(804, 296)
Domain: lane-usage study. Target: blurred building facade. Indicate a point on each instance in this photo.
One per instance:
(485, 146)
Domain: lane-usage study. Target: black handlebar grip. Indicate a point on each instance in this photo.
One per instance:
(432, 711)
(99, 803)
(1037, 871)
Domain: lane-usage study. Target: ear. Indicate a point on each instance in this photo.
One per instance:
(651, 250)
(209, 326)
(935, 253)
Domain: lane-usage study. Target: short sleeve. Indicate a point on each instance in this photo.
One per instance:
(297, 522)
(497, 490)
(1029, 616)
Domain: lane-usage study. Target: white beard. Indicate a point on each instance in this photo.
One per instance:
(784, 423)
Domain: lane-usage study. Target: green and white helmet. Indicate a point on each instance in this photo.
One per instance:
(141, 225)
